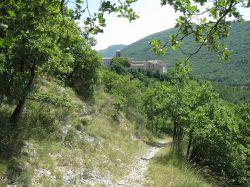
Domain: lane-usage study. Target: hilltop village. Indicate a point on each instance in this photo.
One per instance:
(152, 65)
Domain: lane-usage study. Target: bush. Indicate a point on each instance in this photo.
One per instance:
(84, 75)
(120, 65)
(7, 132)
(17, 174)
(39, 122)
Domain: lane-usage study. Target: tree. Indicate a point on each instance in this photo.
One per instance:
(178, 103)
(84, 69)
(215, 142)
(120, 64)
(124, 61)
(205, 21)
(243, 111)
(28, 42)
(206, 31)
(33, 42)
(31, 35)
(216, 136)
(155, 108)
(128, 92)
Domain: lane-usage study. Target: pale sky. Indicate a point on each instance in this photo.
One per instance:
(153, 18)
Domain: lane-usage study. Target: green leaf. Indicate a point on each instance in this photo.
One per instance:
(174, 47)
(11, 13)
(1, 42)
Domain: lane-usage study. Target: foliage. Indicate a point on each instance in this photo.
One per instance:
(40, 120)
(120, 64)
(234, 94)
(193, 22)
(165, 169)
(95, 22)
(84, 75)
(192, 112)
(233, 71)
(128, 92)
(211, 131)
(243, 111)
(124, 61)
(154, 101)
(33, 43)
(210, 126)
(206, 32)
(17, 174)
(215, 143)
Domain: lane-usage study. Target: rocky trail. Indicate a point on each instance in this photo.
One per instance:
(136, 173)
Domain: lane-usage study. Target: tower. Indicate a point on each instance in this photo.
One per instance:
(118, 53)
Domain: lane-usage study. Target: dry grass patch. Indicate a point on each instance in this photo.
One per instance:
(165, 170)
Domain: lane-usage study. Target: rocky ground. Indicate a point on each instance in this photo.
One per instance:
(136, 174)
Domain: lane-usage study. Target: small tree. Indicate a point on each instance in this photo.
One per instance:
(120, 64)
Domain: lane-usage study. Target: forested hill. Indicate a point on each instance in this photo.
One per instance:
(110, 51)
(205, 64)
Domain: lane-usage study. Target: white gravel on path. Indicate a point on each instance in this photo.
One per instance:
(137, 172)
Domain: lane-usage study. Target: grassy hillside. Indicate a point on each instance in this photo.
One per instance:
(69, 142)
(205, 65)
(110, 51)
(76, 145)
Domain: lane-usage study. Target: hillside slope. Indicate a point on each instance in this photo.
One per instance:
(79, 145)
(110, 51)
(76, 146)
(205, 65)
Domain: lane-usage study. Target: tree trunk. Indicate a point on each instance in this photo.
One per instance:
(174, 132)
(157, 126)
(152, 126)
(189, 144)
(179, 137)
(1, 99)
(20, 106)
(193, 155)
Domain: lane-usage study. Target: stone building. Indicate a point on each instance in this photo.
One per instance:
(106, 61)
(152, 65)
(135, 65)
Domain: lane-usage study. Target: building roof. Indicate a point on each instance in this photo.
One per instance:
(137, 65)
(158, 62)
(107, 58)
(139, 62)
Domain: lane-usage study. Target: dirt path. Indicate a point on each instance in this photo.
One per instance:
(136, 173)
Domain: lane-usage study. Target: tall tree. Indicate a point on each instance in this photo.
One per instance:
(36, 37)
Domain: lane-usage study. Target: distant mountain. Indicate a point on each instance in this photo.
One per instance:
(111, 50)
(205, 64)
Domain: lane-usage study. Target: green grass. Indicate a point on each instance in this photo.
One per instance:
(93, 140)
(3, 169)
(112, 145)
(166, 170)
